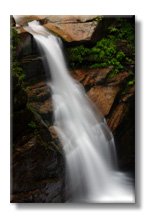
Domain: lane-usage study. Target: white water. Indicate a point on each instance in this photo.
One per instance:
(88, 144)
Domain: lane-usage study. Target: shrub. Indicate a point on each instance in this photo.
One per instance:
(32, 125)
(15, 65)
(106, 51)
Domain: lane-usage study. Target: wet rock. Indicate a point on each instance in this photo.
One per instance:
(103, 97)
(13, 22)
(78, 74)
(39, 97)
(37, 173)
(95, 76)
(39, 91)
(19, 110)
(33, 69)
(19, 100)
(53, 132)
(37, 164)
(130, 92)
(117, 116)
(20, 120)
(69, 28)
(49, 193)
(91, 77)
(118, 79)
(125, 138)
(26, 43)
(46, 107)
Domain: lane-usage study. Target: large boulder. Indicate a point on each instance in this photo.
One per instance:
(73, 31)
(69, 28)
(24, 19)
(103, 97)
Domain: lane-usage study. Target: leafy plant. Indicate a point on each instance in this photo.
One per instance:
(32, 125)
(115, 49)
(131, 82)
(15, 65)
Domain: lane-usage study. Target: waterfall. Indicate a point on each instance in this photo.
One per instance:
(92, 174)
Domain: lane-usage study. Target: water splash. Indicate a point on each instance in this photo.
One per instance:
(91, 166)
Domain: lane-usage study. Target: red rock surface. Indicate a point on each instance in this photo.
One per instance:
(103, 97)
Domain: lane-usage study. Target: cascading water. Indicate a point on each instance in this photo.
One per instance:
(88, 144)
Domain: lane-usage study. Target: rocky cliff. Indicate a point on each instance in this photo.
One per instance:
(37, 160)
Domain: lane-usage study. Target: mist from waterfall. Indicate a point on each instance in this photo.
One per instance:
(92, 173)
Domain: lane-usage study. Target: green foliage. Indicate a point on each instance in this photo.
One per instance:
(32, 125)
(14, 38)
(113, 29)
(107, 55)
(17, 71)
(98, 18)
(115, 49)
(131, 82)
(123, 29)
(103, 54)
(78, 53)
(15, 65)
(120, 55)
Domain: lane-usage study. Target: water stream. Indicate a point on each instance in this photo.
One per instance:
(92, 174)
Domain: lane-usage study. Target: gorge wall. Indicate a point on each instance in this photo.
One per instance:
(37, 161)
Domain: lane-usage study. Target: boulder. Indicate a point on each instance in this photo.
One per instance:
(69, 18)
(78, 74)
(95, 76)
(53, 132)
(117, 116)
(90, 77)
(118, 79)
(22, 20)
(73, 31)
(103, 97)
(69, 28)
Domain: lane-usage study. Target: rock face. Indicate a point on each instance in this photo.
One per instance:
(103, 97)
(117, 106)
(73, 31)
(37, 163)
(12, 20)
(37, 173)
(37, 160)
(69, 28)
